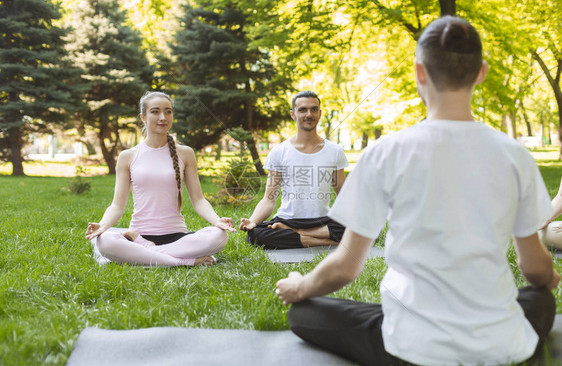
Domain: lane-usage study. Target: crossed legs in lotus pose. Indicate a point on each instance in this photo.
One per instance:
(190, 250)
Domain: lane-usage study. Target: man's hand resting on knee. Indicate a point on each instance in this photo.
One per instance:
(246, 224)
(335, 271)
(288, 288)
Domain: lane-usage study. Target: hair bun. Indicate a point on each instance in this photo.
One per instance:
(455, 36)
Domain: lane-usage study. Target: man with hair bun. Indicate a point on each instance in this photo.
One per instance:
(453, 192)
(302, 169)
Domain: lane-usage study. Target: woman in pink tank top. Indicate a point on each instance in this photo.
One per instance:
(155, 171)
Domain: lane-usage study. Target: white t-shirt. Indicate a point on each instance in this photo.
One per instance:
(453, 192)
(306, 178)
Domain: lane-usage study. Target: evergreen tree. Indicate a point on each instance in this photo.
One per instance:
(113, 62)
(36, 85)
(225, 86)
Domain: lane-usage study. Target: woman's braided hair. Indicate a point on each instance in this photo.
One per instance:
(171, 143)
(174, 154)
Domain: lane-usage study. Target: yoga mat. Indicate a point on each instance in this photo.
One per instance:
(186, 346)
(308, 254)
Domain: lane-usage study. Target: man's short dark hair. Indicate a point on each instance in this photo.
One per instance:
(304, 94)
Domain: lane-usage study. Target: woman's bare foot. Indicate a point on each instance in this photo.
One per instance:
(208, 260)
(279, 225)
(131, 235)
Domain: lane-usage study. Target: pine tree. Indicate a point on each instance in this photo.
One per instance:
(224, 84)
(36, 81)
(116, 67)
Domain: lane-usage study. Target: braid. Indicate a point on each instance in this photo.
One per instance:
(174, 155)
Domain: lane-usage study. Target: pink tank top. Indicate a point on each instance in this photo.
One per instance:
(155, 192)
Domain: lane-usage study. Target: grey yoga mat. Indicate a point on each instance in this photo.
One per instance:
(308, 254)
(187, 346)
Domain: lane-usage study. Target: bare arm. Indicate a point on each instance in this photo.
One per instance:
(535, 262)
(265, 206)
(337, 180)
(200, 204)
(115, 211)
(335, 271)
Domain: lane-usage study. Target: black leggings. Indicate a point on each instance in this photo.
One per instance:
(353, 329)
(263, 236)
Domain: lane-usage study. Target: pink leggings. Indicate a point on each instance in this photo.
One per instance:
(207, 241)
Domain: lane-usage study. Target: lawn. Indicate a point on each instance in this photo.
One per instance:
(51, 287)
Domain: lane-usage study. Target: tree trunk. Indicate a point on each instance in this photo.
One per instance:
(527, 122)
(107, 155)
(560, 128)
(16, 144)
(218, 150)
(448, 7)
(512, 125)
(89, 146)
(364, 140)
(251, 142)
(555, 85)
(378, 132)
(255, 155)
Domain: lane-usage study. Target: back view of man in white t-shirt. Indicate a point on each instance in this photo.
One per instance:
(303, 169)
(453, 191)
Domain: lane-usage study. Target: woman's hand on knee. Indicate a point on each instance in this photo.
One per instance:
(94, 229)
(225, 223)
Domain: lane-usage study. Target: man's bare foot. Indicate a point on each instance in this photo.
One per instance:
(205, 261)
(130, 235)
(279, 225)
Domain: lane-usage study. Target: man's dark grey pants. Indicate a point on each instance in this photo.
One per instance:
(353, 329)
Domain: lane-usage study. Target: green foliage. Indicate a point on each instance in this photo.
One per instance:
(224, 83)
(115, 66)
(76, 185)
(37, 85)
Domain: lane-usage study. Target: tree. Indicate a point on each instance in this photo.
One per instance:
(36, 81)
(222, 83)
(547, 49)
(115, 66)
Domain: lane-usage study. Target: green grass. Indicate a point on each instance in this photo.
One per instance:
(51, 287)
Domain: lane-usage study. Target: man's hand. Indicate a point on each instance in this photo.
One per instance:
(247, 224)
(288, 288)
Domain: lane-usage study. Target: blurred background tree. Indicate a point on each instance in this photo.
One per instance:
(115, 66)
(38, 85)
